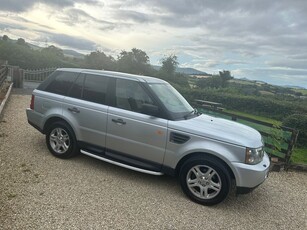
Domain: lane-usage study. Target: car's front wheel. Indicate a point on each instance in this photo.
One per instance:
(61, 140)
(205, 180)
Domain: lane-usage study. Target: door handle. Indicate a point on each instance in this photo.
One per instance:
(119, 121)
(74, 110)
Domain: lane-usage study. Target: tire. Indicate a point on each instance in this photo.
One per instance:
(61, 140)
(205, 180)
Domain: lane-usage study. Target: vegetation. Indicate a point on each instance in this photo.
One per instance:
(216, 81)
(299, 156)
(274, 107)
(298, 122)
(252, 116)
(136, 61)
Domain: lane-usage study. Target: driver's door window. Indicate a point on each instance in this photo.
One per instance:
(130, 95)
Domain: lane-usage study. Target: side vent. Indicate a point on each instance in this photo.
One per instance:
(178, 138)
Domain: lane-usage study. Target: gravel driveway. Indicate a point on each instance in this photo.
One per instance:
(39, 191)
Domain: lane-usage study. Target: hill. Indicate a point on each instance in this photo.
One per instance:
(73, 54)
(188, 71)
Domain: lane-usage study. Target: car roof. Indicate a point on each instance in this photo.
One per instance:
(135, 77)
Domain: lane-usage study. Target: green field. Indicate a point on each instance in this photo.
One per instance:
(299, 156)
(259, 118)
(303, 91)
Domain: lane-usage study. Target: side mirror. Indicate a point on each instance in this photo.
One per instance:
(151, 110)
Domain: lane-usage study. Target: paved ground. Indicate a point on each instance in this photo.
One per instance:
(39, 191)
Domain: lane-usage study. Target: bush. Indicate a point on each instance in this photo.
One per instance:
(258, 105)
(298, 122)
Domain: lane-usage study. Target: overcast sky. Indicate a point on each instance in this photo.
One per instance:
(260, 39)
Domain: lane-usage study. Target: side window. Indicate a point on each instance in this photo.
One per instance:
(61, 83)
(131, 96)
(77, 88)
(95, 88)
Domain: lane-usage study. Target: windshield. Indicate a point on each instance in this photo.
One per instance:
(172, 100)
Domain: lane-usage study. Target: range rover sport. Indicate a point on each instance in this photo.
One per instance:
(144, 124)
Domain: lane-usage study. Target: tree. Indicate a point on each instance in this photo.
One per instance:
(53, 51)
(169, 65)
(21, 42)
(225, 75)
(215, 81)
(99, 60)
(136, 62)
(5, 38)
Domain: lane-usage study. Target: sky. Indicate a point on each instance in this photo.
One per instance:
(255, 39)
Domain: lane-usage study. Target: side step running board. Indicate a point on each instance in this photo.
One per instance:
(121, 164)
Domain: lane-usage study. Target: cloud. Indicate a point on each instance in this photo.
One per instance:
(288, 63)
(16, 5)
(71, 41)
(7, 26)
(66, 3)
(21, 6)
(276, 76)
(73, 16)
(135, 16)
(264, 38)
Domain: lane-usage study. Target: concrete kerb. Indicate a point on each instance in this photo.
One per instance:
(7, 95)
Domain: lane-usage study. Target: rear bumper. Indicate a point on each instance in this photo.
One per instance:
(35, 119)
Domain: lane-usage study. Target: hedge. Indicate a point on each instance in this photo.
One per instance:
(258, 105)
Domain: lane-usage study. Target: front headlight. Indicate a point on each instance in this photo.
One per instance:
(254, 156)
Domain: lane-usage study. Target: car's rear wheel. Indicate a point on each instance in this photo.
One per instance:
(205, 180)
(61, 140)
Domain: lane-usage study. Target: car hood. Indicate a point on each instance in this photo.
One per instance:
(219, 129)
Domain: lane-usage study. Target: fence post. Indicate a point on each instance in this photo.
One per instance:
(18, 77)
(290, 148)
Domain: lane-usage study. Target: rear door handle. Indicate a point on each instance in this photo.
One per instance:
(74, 110)
(119, 121)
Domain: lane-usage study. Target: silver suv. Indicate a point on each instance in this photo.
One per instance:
(144, 124)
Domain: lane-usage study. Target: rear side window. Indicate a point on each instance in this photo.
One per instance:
(95, 88)
(61, 83)
(77, 88)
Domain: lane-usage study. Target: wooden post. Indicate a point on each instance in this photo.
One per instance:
(18, 76)
(290, 148)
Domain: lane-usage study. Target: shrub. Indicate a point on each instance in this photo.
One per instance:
(298, 122)
(258, 105)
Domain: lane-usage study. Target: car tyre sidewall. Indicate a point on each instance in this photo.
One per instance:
(73, 149)
(218, 167)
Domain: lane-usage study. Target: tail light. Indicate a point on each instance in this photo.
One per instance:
(32, 102)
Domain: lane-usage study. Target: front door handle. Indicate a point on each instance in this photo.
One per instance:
(119, 121)
(74, 110)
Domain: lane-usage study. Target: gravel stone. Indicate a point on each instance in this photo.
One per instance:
(39, 191)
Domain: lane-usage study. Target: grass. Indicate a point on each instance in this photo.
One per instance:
(303, 91)
(299, 156)
(252, 116)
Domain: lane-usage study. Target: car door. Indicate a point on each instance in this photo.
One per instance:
(85, 106)
(133, 136)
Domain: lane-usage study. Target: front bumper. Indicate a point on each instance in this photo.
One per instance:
(249, 177)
